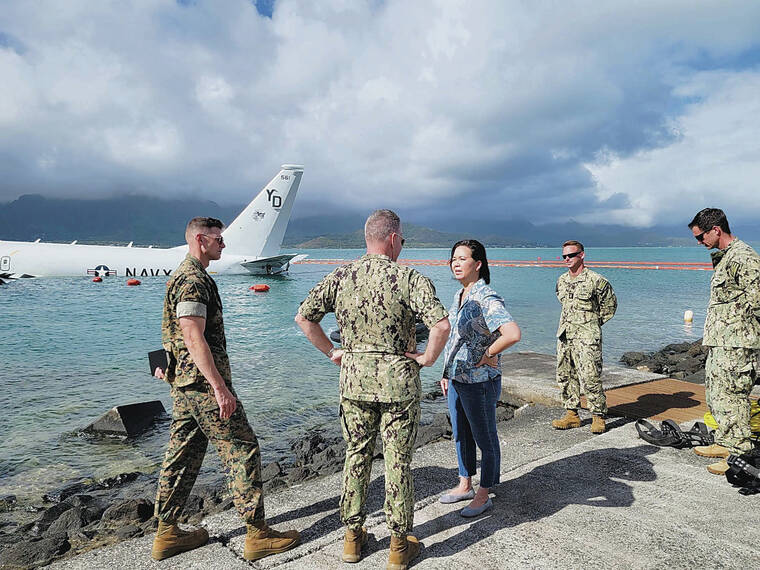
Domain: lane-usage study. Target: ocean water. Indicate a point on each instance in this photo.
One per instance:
(72, 349)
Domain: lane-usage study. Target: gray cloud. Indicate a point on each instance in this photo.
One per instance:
(611, 111)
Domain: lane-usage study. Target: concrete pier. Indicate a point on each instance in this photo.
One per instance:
(566, 499)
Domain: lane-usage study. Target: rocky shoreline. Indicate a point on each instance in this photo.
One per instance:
(82, 516)
(683, 361)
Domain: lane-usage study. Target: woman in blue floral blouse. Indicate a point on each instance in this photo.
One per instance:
(481, 328)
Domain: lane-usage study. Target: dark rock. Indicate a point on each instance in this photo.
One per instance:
(72, 520)
(300, 474)
(63, 493)
(270, 471)
(307, 447)
(118, 480)
(697, 378)
(7, 502)
(696, 349)
(439, 428)
(48, 517)
(633, 358)
(680, 375)
(688, 364)
(273, 485)
(504, 413)
(677, 347)
(34, 552)
(131, 510)
(128, 420)
(129, 531)
(650, 365)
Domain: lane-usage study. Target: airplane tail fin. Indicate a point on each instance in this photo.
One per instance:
(260, 227)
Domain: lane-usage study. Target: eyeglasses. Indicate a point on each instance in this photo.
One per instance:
(219, 239)
(571, 255)
(701, 236)
(403, 241)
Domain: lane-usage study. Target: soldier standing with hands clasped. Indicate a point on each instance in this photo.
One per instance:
(588, 302)
(375, 301)
(205, 407)
(732, 335)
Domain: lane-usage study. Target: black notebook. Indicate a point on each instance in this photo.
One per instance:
(157, 359)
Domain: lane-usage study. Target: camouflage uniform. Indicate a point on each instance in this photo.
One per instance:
(732, 333)
(588, 302)
(195, 416)
(375, 301)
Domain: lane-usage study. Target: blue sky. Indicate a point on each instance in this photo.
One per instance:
(638, 113)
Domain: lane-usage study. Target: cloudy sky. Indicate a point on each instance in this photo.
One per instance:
(635, 112)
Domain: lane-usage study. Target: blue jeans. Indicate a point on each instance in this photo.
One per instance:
(473, 421)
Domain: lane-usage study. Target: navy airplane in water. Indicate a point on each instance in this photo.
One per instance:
(252, 243)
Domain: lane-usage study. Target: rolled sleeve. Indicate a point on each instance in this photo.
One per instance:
(424, 301)
(192, 299)
(191, 309)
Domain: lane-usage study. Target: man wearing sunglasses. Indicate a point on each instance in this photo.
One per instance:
(732, 335)
(205, 407)
(588, 302)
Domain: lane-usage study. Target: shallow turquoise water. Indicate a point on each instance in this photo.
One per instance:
(72, 349)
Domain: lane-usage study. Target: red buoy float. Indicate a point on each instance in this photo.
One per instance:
(133, 282)
(97, 279)
(260, 287)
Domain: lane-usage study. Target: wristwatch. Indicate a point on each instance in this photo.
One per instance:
(330, 353)
(488, 354)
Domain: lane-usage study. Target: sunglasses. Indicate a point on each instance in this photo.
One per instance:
(571, 255)
(700, 237)
(403, 241)
(219, 239)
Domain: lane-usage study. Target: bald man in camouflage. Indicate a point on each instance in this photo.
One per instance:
(732, 335)
(375, 301)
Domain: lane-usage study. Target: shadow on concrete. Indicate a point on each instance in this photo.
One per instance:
(594, 478)
(648, 405)
(428, 481)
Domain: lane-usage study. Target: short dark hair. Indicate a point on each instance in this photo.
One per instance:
(578, 244)
(708, 218)
(478, 254)
(196, 225)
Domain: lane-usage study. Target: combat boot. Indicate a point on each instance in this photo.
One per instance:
(571, 420)
(403, 551)
(598, 425)
(352, 544)
(171, 540)
(718, 468)
(261, 541)
(713, 450)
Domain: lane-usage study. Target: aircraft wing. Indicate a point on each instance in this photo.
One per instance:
(269, 265)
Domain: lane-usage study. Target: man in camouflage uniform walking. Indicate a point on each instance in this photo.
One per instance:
(732, 335)
(375, 301)
(205, 406)
(588, 302)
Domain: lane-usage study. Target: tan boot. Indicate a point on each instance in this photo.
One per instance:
(261, 541)
(718, 468)
(598, 425)
(403, 551)
(352, 544)
(571, 420)
(171, 540)
(713, 450)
